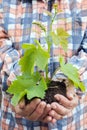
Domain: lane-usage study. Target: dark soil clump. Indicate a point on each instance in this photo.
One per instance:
(55, 87)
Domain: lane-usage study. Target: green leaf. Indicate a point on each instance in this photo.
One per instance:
(28, 60)
(81, 86)
(60, 37)
(17, 97)
(72, 73)
(61, 60)
(34, 55)
(22, 86)
(38, 90)
(36, 76)
(28, 46)
(63, 38)
(41, 58)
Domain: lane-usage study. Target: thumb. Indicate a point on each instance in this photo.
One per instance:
(70, 93)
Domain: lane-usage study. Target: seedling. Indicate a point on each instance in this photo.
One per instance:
(31, 82)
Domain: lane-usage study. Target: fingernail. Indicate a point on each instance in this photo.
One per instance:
(56, 96)
(43, 104)
(48, 105)
(49, 118)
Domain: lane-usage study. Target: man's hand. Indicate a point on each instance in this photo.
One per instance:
(36, 110)
(64, 105)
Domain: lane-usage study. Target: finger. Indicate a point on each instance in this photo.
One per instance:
(36, 114)
(46, 111)
(58, 110)
(55, 115)
(72, 96)
(53, 121)
(47, 119)
(65, 101)
(70, 92)
(30, 108)
(19, 111)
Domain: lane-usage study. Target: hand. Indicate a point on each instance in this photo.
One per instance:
(36, 110)
(64, 105)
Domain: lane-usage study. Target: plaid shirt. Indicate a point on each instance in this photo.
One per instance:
(16, 19)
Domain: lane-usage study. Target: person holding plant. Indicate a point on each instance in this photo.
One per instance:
(16, 18)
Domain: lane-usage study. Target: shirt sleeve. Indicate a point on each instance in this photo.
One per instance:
(9, 56)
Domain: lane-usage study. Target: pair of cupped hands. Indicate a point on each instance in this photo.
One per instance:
(38, 110)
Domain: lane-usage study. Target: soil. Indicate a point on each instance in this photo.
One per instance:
(55, 87)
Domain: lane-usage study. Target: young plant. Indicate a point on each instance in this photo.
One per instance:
(31, 83)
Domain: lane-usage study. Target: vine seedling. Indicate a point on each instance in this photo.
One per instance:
(31, 83)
